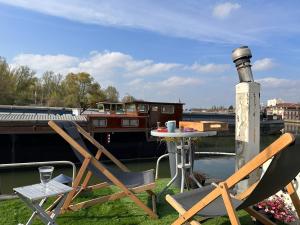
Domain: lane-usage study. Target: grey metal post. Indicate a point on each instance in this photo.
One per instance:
(13, 148)
(172, 148)
(247, 115)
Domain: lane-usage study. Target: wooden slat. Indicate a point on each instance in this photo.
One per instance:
(70, 140)
(273, 149)
(111, 197)
(90, 159)
(294, 197)
(76, 183)
(101, 147)
(277, 146)
(97, 186)
(234, 220)
(89, 174)
(179, 208)
(247, 192)
(118, 183)
(261, 218)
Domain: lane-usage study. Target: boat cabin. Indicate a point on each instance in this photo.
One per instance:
(111, 107)
(156, 111)
(133, 116)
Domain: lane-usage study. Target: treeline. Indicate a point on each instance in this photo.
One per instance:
(21, 86)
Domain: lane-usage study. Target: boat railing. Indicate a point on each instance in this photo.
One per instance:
(196, 153)
(33, 164)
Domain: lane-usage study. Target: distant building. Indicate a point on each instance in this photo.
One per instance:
(274, 102)
(288, 111)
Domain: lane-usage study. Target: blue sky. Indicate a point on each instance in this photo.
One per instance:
(159, 50)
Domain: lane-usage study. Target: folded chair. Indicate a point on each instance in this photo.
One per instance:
(130, 183)
(218, 200)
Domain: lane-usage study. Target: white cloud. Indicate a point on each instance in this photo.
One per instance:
(210, 68)
(273, 87)
(99, 64)
(144, 78)
(156, 68)
(135, 82)
(263, 64)
(41, 63)
(176, 81)
(223, 10)
(274, 82)
(170, 84)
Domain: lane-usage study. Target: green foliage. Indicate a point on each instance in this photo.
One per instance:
(128, 98)
(21, 86)
(112, 95)
(7, 85)
(82, 91)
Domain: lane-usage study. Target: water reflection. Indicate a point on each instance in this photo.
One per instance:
(292, 127)
(219, 167)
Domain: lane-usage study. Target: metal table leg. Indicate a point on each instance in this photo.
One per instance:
(183, 164)
(172, 180)
(37, 209)
(191, 162)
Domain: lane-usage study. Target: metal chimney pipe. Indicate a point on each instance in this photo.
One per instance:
(241, 57)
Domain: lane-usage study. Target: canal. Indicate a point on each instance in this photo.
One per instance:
(216, 167)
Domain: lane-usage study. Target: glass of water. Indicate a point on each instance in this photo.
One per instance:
(45, 175)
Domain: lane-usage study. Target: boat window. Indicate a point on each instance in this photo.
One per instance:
(154, 108)
(167, 109)
(120, 109)
(143, 108)
(131, 108)
(130, 122)
(100, 107)
(100, 123)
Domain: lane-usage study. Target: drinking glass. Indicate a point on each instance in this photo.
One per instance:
(45, 175)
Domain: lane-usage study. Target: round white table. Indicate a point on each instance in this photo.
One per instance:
(182, 150)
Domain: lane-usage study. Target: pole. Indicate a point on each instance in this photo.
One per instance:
(247, 119)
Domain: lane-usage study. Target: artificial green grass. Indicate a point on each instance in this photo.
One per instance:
(119, 212)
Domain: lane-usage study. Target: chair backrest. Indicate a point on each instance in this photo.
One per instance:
(71, 129)
(282, 170)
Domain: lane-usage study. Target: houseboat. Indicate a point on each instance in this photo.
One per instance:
(123, 128)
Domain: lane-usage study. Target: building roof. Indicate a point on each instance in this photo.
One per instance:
(158, 103)
(6, 117)
(34, 109)
(288, 105)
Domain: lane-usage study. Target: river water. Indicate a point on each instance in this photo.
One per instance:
(216, 167)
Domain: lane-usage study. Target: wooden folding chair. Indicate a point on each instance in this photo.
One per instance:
(212, 201)
(130, 183)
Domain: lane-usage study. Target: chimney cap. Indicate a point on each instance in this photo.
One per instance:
(241, 52)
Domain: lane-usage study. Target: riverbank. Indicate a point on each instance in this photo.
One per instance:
(118, 212)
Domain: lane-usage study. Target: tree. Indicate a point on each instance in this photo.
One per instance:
(25, 85)
(81, 91)
(112, 94)
(21, 86)
(7, 85)
(51, 89)
(95, 94)
(128, 98)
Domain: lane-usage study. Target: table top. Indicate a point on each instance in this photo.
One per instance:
(180, 134)
(37, 191)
